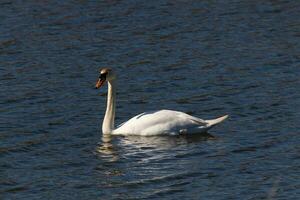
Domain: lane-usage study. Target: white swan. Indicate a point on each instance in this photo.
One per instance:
(162, 122)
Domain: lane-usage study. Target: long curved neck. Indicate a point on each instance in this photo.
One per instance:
(109, 118)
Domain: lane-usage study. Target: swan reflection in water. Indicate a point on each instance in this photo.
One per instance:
(149, 158)
(162, 142)
(106, 149)
(112, 148)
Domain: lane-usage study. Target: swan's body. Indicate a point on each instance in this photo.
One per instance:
(162, 122)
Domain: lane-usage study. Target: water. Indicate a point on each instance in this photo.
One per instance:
(206, 58)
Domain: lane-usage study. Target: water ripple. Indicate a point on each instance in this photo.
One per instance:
(206, 58)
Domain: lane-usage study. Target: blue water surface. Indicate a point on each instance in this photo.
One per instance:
(205, 58)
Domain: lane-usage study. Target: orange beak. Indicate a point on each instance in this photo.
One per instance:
(99, 83)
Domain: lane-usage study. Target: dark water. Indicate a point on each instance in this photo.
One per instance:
(206, 58)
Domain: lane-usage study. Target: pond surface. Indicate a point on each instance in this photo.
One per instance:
(205, 58)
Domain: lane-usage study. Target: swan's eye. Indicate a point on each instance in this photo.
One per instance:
(102, 76)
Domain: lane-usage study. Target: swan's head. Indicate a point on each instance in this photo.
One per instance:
(106, 74)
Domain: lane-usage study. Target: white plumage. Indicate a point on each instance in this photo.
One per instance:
(164, 122)
(161, 122)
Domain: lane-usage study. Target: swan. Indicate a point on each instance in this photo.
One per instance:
(161, 122)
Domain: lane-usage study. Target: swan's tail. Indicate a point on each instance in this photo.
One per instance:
(213, 122)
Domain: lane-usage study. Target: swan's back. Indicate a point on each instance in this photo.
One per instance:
(162, 122)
